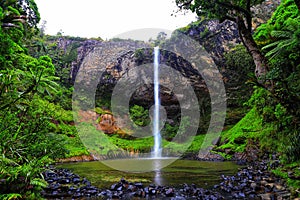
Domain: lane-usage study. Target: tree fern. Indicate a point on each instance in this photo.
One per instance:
(38, 182)
(10, 196)
(285, 40)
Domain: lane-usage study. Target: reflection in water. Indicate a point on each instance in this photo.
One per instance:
(157, 164)
(158, 180)
(139, 165)
(169, 172)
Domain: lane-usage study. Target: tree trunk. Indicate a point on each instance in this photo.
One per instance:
(261, 65)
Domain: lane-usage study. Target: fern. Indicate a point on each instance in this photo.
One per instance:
(10, 196)
(285, 40)
(281, 34)
(7, 161)
(39, 182)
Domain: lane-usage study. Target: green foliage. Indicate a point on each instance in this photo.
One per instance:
(142, 145)
(62, 50)
(139, 115)
(23, 181)
(217, 9)
(74, 146)
(238, 58)
(249, 127)
(280, 40)
(139, 55)
(100, 111)
(96, 141)
(169, 131)
(28, 141)
(19, 18)
(285, 12)
(10, 196)
(268, 122)
(160, 39)
(240, 65)
(26, 146)
(282, 135)
(285, 172)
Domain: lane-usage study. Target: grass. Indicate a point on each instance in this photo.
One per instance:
(235, 138)
(90, 140)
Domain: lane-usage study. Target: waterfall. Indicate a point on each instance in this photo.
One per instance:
(156, 115)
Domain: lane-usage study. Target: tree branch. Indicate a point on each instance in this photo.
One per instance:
(246, 11)
(228, 18)
(249, 18)
(10, 25)
(184, 4)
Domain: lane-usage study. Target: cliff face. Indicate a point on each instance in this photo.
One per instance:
(73, 51)
(110, 63)
(119, 59)
(217, 38)
(116, 60)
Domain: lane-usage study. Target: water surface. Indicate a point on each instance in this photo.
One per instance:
(203, 174)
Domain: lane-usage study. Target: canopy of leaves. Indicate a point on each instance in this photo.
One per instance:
(219, 9)
(26, 83)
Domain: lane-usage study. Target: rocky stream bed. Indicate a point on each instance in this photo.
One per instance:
(255, 181)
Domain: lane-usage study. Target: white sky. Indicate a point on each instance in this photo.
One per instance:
(109, 18)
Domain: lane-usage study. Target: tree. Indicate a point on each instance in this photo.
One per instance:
(26, 143)
(280, 40)
(21, 15)
(160, 38)
(238, 11)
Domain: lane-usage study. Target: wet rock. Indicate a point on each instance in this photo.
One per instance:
(113, 186)
(253, 182)
(138, 185)
(170, 192)
(64, 181)
(76, 180)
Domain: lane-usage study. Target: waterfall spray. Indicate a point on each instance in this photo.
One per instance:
(156, 132)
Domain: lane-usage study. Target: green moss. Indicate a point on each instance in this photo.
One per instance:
(248, 127)
(99, 143)
(74, 146)
(140, 144)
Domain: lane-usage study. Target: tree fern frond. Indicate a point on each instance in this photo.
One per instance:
(281, 34)
(8, 161)
(39, 182)
(281, 47)
(273, 44)
(10, 196)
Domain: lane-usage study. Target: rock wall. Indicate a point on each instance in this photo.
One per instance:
(108, 62)
(117, 59)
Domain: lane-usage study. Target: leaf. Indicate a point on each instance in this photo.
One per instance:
(10, 196)
(39, 182)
